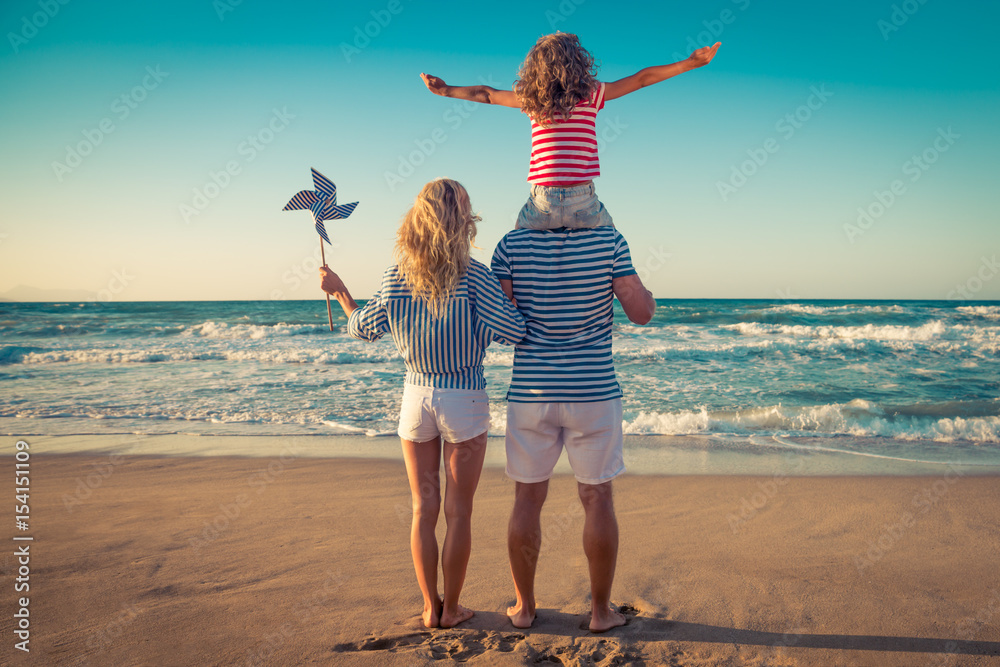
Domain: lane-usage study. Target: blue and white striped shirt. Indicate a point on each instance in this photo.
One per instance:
(562, 284)
(446, 352)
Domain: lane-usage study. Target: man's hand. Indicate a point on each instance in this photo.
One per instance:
(703, 56)
(434, 84)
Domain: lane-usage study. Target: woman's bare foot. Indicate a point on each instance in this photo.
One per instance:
(432, 614)
(607, 619)
(450, 620)
(520, 616)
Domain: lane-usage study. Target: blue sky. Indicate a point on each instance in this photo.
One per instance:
(746, 178)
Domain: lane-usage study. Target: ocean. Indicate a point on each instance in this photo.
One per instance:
(907, 381)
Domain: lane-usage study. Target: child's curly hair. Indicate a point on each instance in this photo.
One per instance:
(557, 74)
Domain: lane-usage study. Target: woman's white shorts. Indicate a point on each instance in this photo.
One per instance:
(456, 415)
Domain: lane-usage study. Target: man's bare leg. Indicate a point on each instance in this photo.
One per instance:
(600, 543)
(463, 463)
(423, 460)
(524, 542)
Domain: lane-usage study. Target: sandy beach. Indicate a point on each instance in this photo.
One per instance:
(146, 560)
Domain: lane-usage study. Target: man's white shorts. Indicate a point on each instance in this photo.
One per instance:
(456, 415)
(590, 432)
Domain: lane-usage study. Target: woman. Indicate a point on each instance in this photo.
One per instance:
(443, 309)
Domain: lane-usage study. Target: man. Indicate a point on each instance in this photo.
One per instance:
(564, 393)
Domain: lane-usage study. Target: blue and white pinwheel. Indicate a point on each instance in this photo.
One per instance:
(322, 202)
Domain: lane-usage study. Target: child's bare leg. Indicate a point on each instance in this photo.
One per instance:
(463, 464)
(423, 460)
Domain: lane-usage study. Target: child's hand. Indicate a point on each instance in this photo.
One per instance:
(434, 84)
(703, 56)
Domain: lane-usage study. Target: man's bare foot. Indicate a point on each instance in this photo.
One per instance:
(449, 620)
(607, 619)
(432, 614)
(521, 616)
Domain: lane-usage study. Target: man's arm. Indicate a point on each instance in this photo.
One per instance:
(650, 75)
(507, 285)
(482, 94)
(636, 300)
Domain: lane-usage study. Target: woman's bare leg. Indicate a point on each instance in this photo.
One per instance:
(463, 463)
(423, 460)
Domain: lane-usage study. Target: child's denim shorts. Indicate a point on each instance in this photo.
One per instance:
(552, 207)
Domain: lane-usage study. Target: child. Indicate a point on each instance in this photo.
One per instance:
(557, 89)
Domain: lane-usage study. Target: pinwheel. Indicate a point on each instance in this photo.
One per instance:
(323, 203)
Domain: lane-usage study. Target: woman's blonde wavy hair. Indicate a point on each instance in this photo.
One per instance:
(433, 242)
(557, 74)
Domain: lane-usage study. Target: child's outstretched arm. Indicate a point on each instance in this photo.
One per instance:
(651, 75)
(483, 94)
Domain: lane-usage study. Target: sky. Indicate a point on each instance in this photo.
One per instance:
(831, 150)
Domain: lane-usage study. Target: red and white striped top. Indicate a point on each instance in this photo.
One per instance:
(564, 153)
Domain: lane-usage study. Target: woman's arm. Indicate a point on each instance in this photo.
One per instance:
(335, 287)
(650, 75)
(494, 308)
(481, 94)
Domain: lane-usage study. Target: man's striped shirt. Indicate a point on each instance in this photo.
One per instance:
(564, 153)
(446, 352)
(562, 282)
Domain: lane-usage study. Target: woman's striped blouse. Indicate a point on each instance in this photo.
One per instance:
(446, 352)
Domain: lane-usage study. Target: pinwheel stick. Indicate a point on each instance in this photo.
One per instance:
(329, 312)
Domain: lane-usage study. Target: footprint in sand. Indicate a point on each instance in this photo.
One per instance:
(601, 653)
(455, 645)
